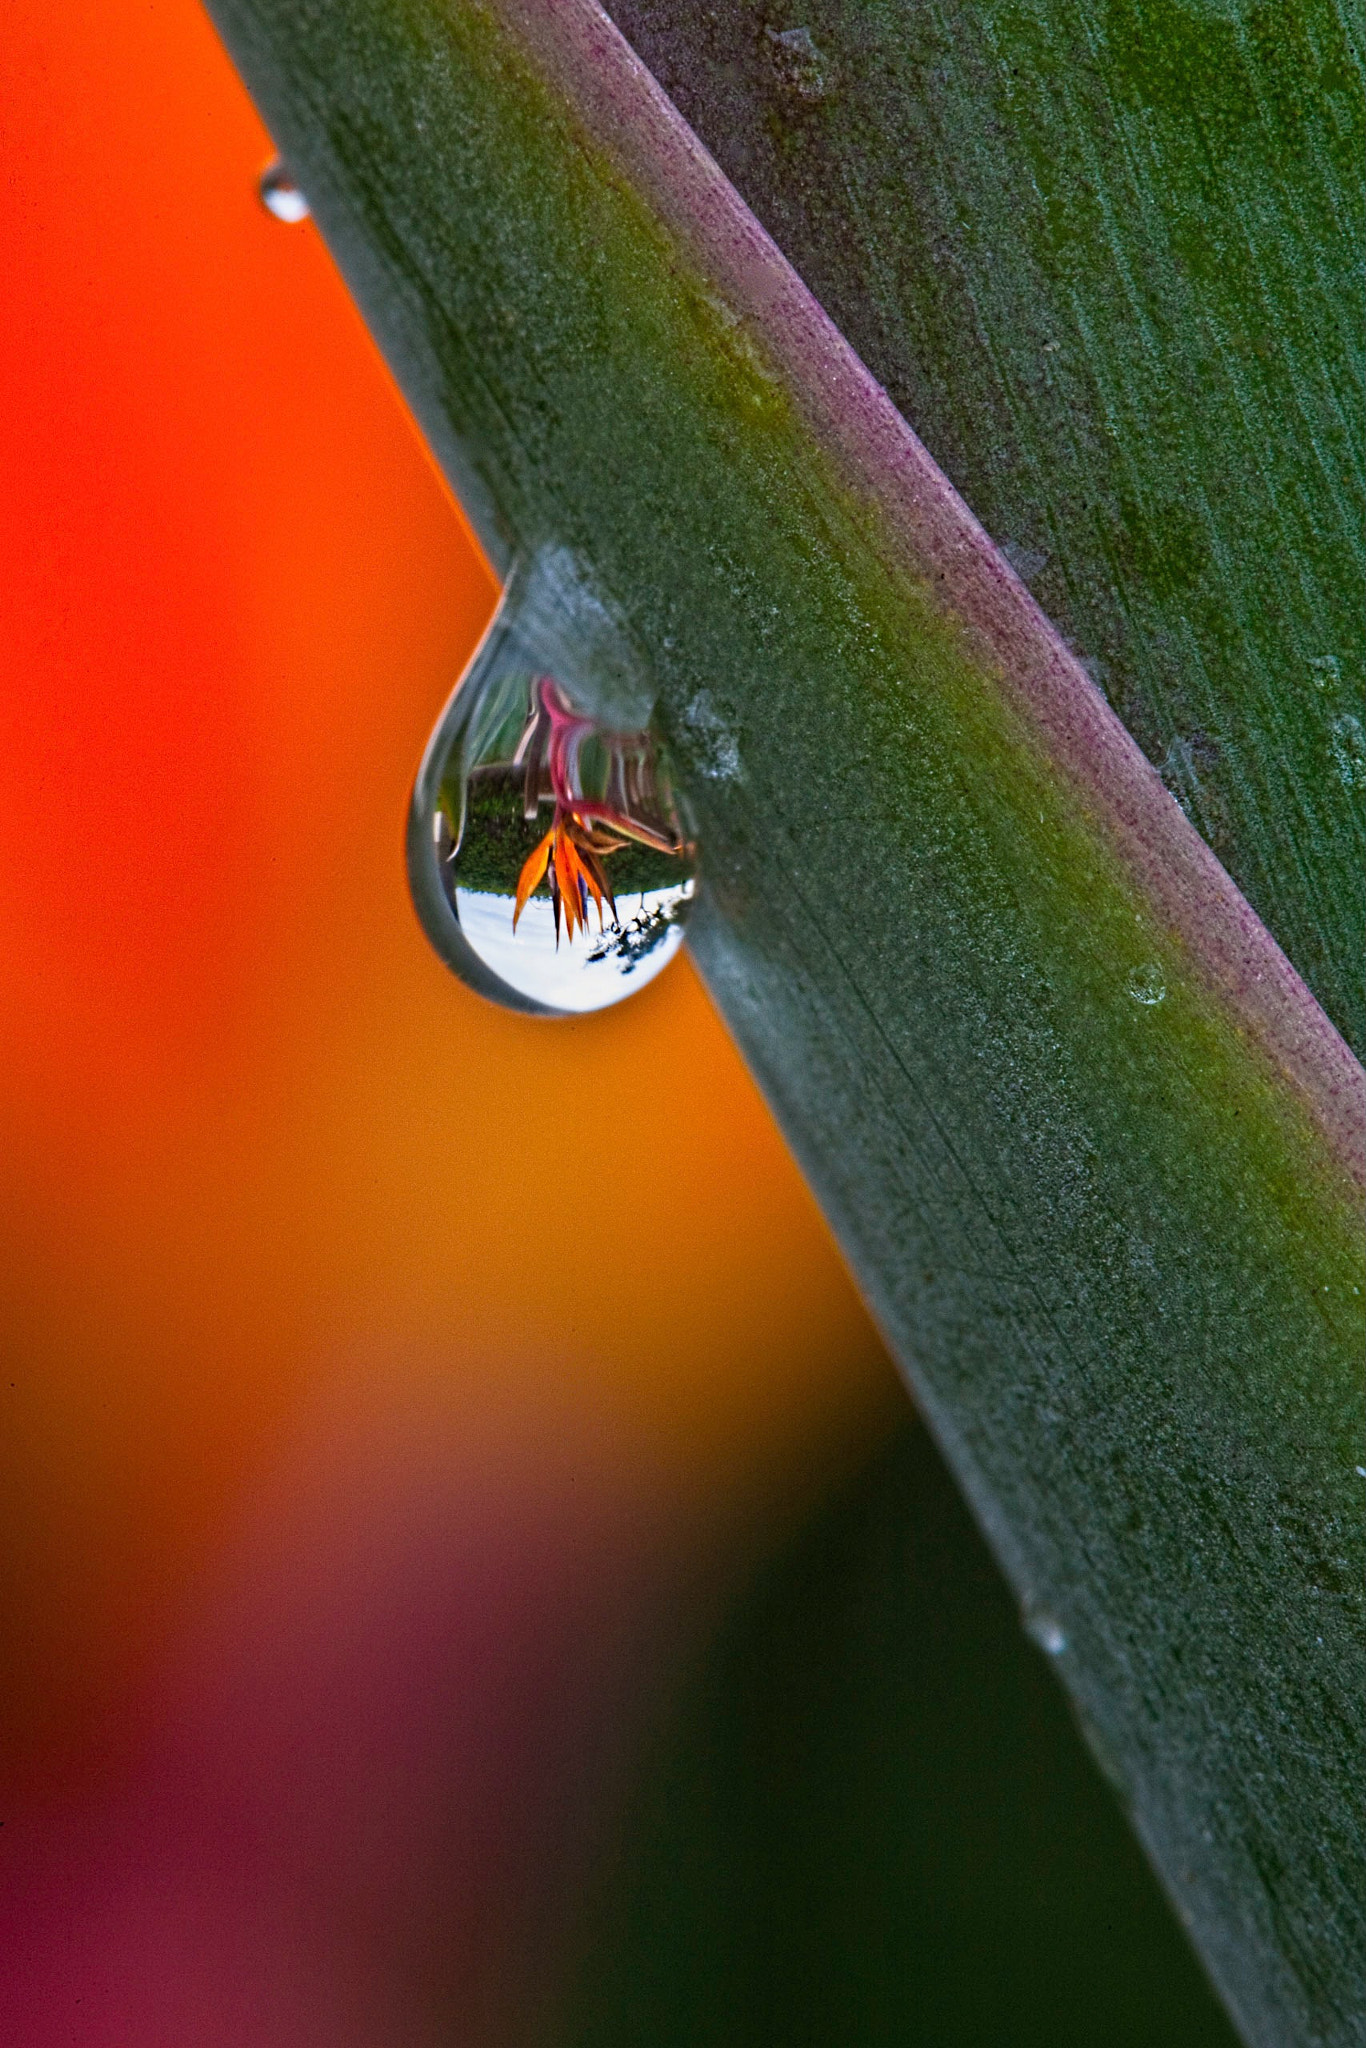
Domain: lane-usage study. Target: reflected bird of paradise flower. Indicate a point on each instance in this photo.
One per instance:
(585, 830)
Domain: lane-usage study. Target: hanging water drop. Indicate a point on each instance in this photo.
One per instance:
(280, 196)
(1044, 1629)
(548, 858)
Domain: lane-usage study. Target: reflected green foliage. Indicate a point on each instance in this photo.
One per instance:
(497, 835)
(874, 1824)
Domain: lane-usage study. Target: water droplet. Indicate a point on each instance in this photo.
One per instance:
(280, 196)
(800, 65)
(1044, 1629)
(714, 746)
(1148, 984)
(1348, 739)
(547, 853)
(1027, 562)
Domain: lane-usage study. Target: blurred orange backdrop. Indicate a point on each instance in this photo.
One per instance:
(256, 1141)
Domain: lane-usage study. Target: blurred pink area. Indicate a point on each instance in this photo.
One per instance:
(373, 1780)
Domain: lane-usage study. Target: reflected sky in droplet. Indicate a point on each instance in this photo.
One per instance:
(581, 974)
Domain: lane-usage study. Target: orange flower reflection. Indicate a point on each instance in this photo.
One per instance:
(584, 831)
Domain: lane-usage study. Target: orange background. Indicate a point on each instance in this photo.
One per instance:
(260, 1152)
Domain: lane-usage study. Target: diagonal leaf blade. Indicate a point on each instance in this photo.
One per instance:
(1092, 1149)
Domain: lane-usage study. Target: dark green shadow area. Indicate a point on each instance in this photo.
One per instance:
(875, 1822)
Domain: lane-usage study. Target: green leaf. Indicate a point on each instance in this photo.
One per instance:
(1093, 1150)
(1106, 257)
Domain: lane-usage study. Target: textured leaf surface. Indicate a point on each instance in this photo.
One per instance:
(1091, 1149)
(1106, 255)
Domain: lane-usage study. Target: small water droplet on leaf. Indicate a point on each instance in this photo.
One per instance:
(712, 741)
(1027, 562)
(1044, 1629)
(1348, 740)
(1148, 984)
(799, 64)
(280, 196)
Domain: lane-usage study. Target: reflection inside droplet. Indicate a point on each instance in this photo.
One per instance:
(563, 867)
(280, 195)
